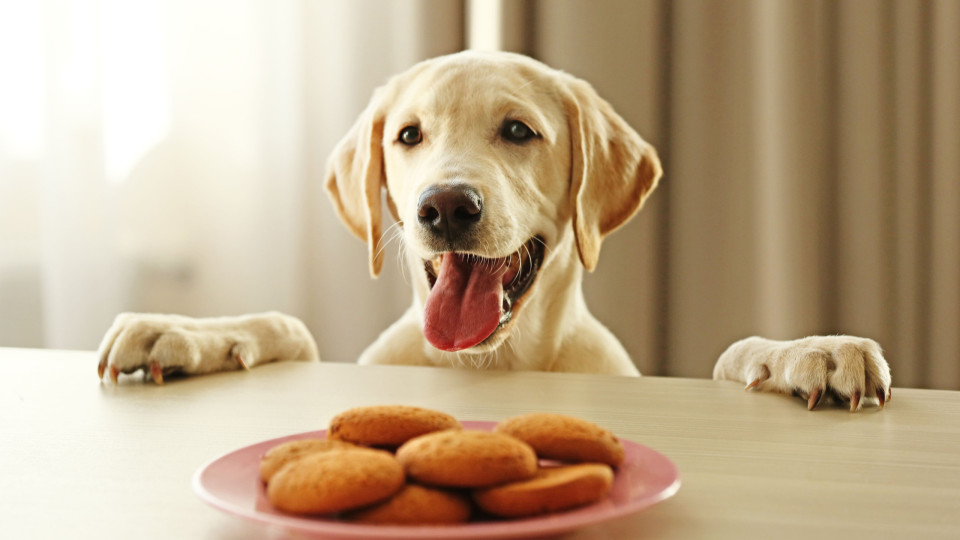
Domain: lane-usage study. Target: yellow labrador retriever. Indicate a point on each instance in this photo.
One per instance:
(504, 176)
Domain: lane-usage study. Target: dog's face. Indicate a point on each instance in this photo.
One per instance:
(477, 165)
(490, 162)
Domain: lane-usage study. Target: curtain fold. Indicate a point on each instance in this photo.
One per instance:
(943, 330)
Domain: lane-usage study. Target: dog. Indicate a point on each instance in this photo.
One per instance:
(504, 176)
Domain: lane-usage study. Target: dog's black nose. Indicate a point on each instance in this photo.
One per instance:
(450, 210)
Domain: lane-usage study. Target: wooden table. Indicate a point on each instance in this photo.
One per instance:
(87, 459)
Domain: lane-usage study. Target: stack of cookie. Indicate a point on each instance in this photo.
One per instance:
(409, 465)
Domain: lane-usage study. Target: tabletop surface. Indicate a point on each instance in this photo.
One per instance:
(82, 458)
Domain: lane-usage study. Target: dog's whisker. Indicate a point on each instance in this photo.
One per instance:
(394, 233)
(391, 237)
(489, 360)
(511, 343)
(516, 91)
(543, 244)
(401, 250)
(529, 258)
(461, 360)
(382, 245)
(401, 258)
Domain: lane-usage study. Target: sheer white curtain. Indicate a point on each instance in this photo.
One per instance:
(167, 156)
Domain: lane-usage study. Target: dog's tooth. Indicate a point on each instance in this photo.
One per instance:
(505, 316)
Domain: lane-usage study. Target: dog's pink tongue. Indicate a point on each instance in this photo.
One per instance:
(463, 307)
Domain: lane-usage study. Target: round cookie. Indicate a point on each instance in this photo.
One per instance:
(564, 438)
(335, 481)
(284, 453)
(551, 490)
(388, 425)
(417, 505)
(467, 458)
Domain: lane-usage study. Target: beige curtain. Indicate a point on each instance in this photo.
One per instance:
(812, 156)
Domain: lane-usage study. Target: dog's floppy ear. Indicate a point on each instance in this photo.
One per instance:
(355, 179)
(612, 169)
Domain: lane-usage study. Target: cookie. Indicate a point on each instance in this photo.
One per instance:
(564, 438)
(388, 426)
(280, 455)
(335, 481)
(417, 505)
(551, 490)
(467, 458)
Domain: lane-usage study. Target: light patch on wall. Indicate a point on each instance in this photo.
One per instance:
(21, 70)
(136, 113)
(483, 25)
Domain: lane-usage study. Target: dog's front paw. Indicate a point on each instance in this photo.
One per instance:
(844, 368)
(160, 345)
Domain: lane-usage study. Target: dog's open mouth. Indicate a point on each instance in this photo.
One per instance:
(472, 297)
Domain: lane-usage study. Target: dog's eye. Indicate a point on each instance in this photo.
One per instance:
(516, 131)
(410, 136)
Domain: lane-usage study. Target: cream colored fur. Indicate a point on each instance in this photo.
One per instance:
(586, 175)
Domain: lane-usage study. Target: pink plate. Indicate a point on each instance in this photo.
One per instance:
(232, 483)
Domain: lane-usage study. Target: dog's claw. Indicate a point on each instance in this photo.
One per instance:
(764, 375)
(880, 396)
(156, 372)
(889, 394)
(114, 374)
(101, 368)
(814, 399)
(239, 359)
(855, 401)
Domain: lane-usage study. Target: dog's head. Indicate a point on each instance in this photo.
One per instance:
(490, 162)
